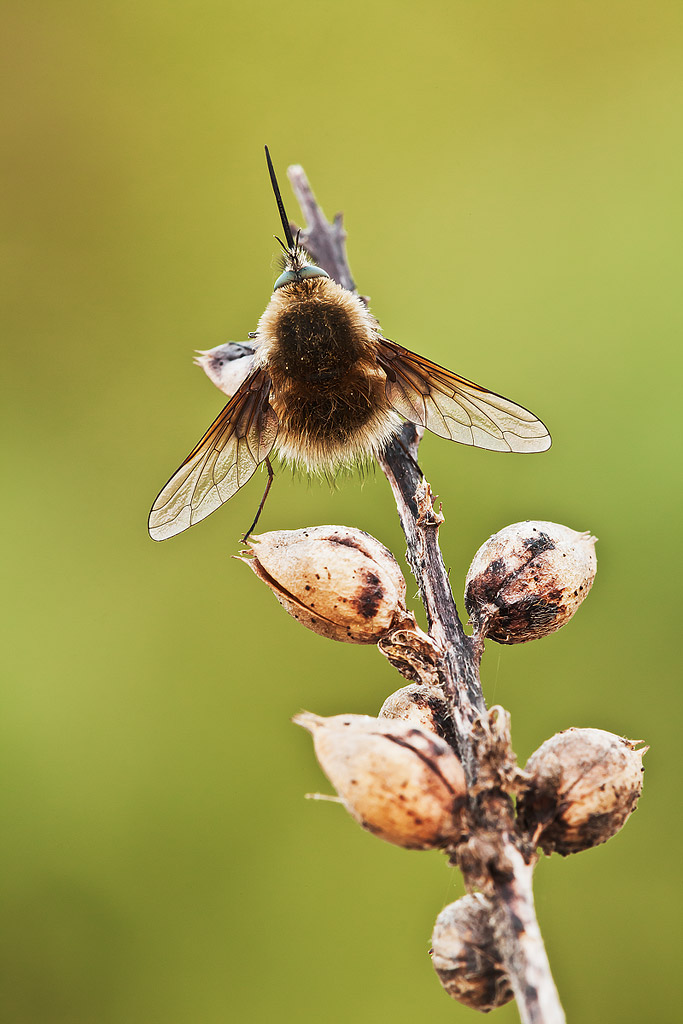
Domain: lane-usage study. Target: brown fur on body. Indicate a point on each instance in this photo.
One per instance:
(317, 342)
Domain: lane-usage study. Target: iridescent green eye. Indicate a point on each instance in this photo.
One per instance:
(290, 276)
(312, 271)
(287, 278)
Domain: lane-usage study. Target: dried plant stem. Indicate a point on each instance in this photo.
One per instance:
(457, 659)
(497, 858)
(517, 932)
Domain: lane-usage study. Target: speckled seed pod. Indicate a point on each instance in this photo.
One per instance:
(584, 785)
(528, 580)
(424, 706)
(339, 582)
(227, 366)
(398, 781)
(465, 956)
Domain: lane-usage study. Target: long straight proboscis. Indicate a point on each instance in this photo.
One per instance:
(280, 204)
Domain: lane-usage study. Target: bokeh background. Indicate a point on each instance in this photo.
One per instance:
(510, 175)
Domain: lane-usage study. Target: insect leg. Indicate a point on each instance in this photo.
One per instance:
(412, 459)
(271, 476)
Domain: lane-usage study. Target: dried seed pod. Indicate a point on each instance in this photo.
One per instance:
(337, 581)
(584, 785)
(227, 366)
(402, 783)
(424, 706)
(528, 580)
(465, 955)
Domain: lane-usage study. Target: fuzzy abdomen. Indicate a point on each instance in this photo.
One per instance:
(317, 342)
(326, 427)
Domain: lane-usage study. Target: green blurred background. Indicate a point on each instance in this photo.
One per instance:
(510, 175)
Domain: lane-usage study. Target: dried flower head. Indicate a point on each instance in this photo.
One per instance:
(528, 580)
(400, 782)
(584, 785)
(465, 956)
(337, 581)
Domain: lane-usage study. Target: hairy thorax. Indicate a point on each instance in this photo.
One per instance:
(317, 342)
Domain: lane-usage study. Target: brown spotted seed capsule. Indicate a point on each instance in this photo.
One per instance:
(528, 580)
(400, 782)
(337, 581)
(424, 706)
(584, 785)
(465, 956)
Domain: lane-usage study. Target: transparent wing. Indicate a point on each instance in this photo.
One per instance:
(453, 407)
(226, 457)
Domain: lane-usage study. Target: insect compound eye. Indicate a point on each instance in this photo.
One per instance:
(312, 271)
(287, 278)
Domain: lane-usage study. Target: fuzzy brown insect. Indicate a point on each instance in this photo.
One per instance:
(327, 390)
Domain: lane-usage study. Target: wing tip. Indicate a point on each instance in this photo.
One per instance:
(531, 445)
(158, 533)
(167, 528)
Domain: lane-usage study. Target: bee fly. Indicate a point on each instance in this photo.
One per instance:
(326, 390)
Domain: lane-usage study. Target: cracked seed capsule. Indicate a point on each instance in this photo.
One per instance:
(337, 581)
(584, 785)
(398, 781)
(465, 956)
(528, 580)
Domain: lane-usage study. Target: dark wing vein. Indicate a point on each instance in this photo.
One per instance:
(453, 407)
(240, 438)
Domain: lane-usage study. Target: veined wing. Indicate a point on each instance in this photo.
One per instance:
(453, 407)
(239, 439)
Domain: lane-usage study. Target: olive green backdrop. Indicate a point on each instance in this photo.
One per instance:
(510, 175)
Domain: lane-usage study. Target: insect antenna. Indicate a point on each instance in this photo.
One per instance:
(280, 204)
